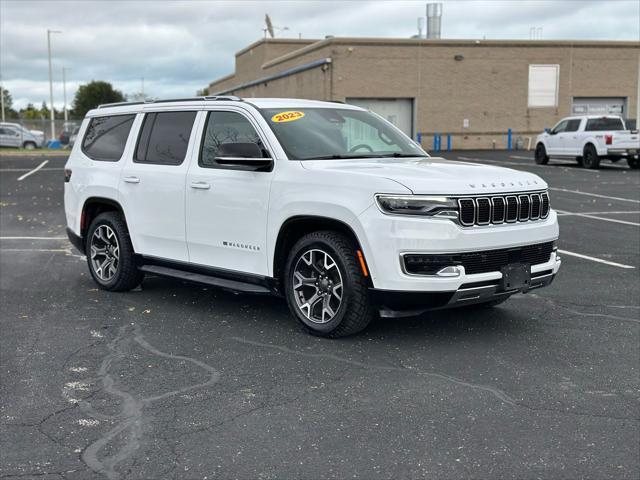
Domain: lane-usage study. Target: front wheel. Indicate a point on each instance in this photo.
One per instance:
(325, 286)
(29, 146)
(634, 162)
(541, 156)
(110, 254)
(590, 157)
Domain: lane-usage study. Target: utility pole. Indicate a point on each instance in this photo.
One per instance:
(638, 98)
(142, 86)
(53, 120)
(64, 92)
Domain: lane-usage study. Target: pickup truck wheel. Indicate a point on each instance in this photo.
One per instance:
(110, 254)
(29, 146)
(590, 157)
(540, 155)
(325, 287)
(634, 162)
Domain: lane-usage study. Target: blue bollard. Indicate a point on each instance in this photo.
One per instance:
(509, 139)
(419, 140)
(448, 142)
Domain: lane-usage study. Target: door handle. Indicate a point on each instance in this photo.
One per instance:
(131, 179)
(200, 185)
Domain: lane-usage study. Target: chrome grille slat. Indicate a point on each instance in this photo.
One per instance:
(512, 208)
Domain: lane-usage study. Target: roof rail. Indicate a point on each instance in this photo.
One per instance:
(231, 98)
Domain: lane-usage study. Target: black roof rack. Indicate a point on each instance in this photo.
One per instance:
(228, 98)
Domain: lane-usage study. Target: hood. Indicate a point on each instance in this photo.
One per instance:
(436, 175)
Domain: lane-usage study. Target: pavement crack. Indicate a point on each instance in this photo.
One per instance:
(131, 414)
(499, 394)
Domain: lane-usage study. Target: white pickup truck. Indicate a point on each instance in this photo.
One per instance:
(589, 139)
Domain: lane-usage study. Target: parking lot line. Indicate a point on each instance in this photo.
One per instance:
(33, 238)
(594, 259)
(31, 172)
(578, 192)
(595, 217)
(28, 169)
(626, 212)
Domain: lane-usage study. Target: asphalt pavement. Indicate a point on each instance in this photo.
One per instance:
(176, 380)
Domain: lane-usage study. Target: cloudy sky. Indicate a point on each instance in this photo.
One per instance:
(180, 46)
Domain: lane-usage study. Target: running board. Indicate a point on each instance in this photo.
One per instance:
(234, 285)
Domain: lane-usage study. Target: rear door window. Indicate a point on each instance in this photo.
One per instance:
(604, 124)
(106, 137)
(164, 138)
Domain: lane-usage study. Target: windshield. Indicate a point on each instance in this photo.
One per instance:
(336, 133)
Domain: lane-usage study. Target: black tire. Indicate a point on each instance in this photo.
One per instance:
(590, 157)
(541, 156)
(126, 276)
(29, 146)
(633, 162)
(354, 311)
(579, 160)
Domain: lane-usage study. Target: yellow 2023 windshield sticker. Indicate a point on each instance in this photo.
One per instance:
(287, 116)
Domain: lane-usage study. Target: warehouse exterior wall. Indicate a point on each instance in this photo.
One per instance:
(485, 82)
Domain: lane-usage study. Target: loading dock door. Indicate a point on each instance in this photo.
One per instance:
(398, 111)
(600, 106)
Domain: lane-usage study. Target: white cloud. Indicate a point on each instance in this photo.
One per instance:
(180, 47)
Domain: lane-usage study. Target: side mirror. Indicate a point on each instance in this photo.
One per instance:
(243, 156)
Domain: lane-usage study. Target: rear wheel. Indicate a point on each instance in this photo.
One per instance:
(541, 156)
(110, 254)
(325, 287)
(634, 162)
(590, 157)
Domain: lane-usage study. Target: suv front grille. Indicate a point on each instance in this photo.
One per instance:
(478, 262)
(504, 208)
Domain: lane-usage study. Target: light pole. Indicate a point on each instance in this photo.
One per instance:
(64, 93)
(2, 100)
(53, 121)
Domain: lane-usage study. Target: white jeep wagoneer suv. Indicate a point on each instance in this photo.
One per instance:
(324, 203)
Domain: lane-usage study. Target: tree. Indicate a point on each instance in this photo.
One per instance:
(93, 94)
(8, 101)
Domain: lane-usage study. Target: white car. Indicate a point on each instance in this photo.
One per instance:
(589, 139)
(15, 135)
(326, 204)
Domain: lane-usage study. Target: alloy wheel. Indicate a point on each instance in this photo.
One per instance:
(317, 286)
(105, 253)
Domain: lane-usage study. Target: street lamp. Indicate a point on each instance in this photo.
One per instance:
(64, 93)
(53, 122)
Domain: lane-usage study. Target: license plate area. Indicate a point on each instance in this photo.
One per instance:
(516, 276)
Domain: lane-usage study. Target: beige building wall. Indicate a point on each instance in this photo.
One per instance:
(485, 82)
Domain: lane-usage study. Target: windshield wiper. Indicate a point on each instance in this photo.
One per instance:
(368, 155)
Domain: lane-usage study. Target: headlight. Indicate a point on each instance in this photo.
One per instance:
(421, 205)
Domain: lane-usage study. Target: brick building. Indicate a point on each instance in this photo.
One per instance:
(473, 90)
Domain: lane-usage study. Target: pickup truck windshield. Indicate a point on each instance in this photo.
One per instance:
(337, 133)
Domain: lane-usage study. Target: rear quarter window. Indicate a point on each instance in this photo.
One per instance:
(106, 137)
(604, 124)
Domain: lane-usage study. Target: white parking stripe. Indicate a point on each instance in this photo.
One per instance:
(594, 195)
(31, 172)
(604, 219)
(594, 259)
(33, 238)
(28, 170)
(626, 212)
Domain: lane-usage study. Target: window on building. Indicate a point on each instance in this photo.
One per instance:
(106, 137)
(604, 124)
(543, 85)
(164, 138)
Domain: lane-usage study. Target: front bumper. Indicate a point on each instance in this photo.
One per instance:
(386, 238)
(394, 304)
